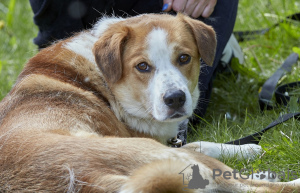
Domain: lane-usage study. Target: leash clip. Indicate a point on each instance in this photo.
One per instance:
(175, 142)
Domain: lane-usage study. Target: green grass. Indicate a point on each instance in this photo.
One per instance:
(233, 111)
(16, 41)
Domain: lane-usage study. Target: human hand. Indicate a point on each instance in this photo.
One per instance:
(193, 8)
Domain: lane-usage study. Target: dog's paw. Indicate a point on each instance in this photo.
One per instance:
(295, 182)
(247, 151)
(217, 150)
(252, 149)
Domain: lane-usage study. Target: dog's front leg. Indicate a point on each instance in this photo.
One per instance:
(216, 150)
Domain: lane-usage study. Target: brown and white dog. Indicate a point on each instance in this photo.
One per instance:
(92, 113)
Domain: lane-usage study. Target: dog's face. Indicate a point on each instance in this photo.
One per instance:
(152, 64)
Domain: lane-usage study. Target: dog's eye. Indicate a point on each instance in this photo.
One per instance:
(184, 59)
(143, 67)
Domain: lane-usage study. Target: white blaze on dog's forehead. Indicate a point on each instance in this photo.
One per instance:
(158, 48)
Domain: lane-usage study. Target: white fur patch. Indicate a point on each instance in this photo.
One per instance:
(82, 45)
(84, 42)
(103, 24)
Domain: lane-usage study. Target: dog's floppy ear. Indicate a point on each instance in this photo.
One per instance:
(205, 37)
(108, 52)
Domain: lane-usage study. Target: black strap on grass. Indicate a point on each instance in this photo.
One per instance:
(265, 96)
(256, 137)
(251, 34)
(268, 88)
(281, 93)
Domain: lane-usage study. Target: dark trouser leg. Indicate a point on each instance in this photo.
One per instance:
(59, 19)
(222, 20)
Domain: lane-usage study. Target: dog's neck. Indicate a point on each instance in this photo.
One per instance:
(162, 131)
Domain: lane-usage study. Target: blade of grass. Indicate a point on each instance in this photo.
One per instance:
(9, 15)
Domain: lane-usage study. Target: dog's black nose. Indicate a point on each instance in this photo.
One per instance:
(174, 99)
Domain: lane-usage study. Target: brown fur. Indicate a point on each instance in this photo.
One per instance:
(58, 132)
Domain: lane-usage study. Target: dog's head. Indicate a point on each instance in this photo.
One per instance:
(152, 63)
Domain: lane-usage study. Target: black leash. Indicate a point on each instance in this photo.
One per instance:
(251, 34)
(265, 96)
(268, 89)
(256, 137)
